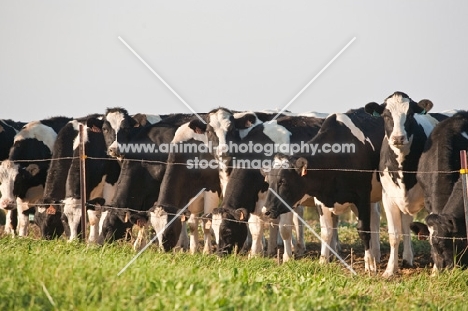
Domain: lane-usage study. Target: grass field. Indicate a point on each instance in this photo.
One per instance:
(48, 275)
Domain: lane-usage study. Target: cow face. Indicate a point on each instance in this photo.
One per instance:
(168, 234)
(446, 251)
(8, 172)
(230, 228)
(15, 181)
(49, 222)
(113, 226)
(219, 129)
(116, 129)
(286, 178)
(398, 112)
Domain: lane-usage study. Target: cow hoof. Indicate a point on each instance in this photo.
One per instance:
(387, 274)
(406, 264)
(323, 260)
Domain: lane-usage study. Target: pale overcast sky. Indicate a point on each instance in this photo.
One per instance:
(65, 58)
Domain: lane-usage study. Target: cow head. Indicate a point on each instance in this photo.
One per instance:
(398, 112)
(113, 226)
(447, 247)
(15, 180)
(116, 129)
(168, 234)
(230, 228)
(219, 129)
(50, 222)
(286, 178)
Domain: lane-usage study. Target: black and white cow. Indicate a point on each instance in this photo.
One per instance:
(101, 171)
(138, 185)
(247, 188)
(8, 130)
(119, 129)
(443, 197)
(339, 173)
(23, 175)
(407, 127)
(185, 177)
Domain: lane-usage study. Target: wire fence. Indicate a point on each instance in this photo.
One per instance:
(265, 222)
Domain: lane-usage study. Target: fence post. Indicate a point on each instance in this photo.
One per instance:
(82, 183)
(463, 176)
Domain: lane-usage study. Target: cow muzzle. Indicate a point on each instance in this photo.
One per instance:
(399, 141)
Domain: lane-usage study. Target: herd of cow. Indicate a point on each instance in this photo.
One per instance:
(403, 156)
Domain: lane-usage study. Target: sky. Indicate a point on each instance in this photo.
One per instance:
(65, 58)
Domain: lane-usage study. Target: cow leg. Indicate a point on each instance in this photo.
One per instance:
(393, 214)
(285, 229)
(210, 202)
(72, 211)
(93, 220)
(141, 239)
(23, 220)
(406, 220)
(256, 230)
(375, 231)
(183, 242)
(273, 237)
(364, 233)
(327, 230)
(102, 220)
(299, 246)
(158, 219)
(193, 227)
(9, 229)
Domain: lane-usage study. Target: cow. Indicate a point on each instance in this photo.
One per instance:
(115, 218)
(337, 179)
(138, 185)
(101, 173)
(440, 180)
(23, 175)
(247, 188)
(8, 130)
(407, 127)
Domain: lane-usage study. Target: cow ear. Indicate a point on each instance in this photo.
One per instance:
(246, 121)
(424, 106)
(451, 224)
(374, 109)
(140, 120)
(241, 214)
(264, 187)
(198, 126)
(301, 166)
(32, 169)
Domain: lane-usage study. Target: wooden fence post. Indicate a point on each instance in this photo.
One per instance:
(463, 176)
(82, 183)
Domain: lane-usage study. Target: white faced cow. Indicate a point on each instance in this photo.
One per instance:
(23, 175)
(407, 127)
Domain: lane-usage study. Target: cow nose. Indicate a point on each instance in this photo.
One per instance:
(8, 204)
(398, 140)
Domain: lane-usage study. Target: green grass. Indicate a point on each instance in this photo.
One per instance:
(80, 277)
